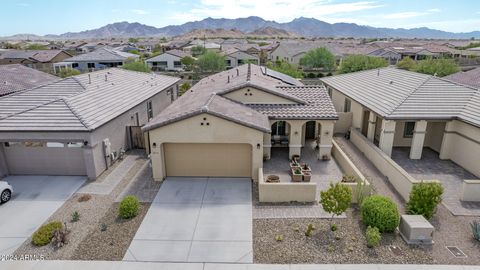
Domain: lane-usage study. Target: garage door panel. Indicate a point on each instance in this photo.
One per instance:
(45, 160)
(229, 160)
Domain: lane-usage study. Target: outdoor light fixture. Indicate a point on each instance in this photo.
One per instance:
(154, 145)
(296, 132)
(258, 146)
(85, 143)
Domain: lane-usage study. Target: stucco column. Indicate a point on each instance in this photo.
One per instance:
(387, 134)
(372, 121)
(325, 135)
(418, 139)
(445, 148)
(156, 157)
(304, 129)
(267, 145)
(90, 161)
(295, 143)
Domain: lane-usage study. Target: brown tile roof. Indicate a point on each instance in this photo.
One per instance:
(17, 77)
(35, 55)
(471, 77)
(206, 97)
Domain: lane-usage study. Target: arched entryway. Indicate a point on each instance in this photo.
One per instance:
(280, 134)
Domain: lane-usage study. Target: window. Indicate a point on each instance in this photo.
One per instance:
(240, 62)
(74, 65)
(177, 64)
(55, 144)
(90, 65)
(149, 110)
(228, 62)
(347, 106)
(408, 129)
(74, 144)
(278, 128)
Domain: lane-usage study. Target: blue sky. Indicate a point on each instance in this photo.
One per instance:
(59, 16)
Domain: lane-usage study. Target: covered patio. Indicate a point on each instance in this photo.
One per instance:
(451, 176)
(323, 172)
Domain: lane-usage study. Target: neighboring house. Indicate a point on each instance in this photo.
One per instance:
(291, 52)
(104, 57)
(167, 61)
(471, 77)
(210, 46)
(252, 49)
(90, 47)
(42, 60)
(227, 123)
(78, 125)
(235, 57)
(16, 77)
(398, 108)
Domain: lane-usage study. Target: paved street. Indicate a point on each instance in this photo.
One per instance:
(197, 220)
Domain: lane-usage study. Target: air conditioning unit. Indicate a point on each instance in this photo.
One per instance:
(415, 229)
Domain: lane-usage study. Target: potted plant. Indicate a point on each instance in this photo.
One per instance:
(307, 176)
(306, 168)
(297, 175)
(294, 165)
(273, 179)
(325, 157)
(296, 158)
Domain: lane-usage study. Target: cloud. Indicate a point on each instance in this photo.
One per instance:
(404, 15)
(140, 11)
(433, 10)
(278, 10)
(466, 25)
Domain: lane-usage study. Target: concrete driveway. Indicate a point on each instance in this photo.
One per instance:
(197, 220)
(35, 199)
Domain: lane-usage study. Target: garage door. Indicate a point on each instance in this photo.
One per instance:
(216, 159)
(45, 160)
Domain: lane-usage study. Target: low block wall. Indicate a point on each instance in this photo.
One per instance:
(470, 191)
(285, 192)
(350, 169)
(397, 176)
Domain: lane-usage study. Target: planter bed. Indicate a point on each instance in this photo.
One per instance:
(322, 247)
(111, 244)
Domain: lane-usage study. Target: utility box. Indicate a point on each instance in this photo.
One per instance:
(415, 229)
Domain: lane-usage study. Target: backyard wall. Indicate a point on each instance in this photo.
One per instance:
(343, 123)
(396, 175)
(285, 192)
(470, 191)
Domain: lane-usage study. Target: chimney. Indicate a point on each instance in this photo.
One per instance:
(228, 79)
(89, 79)
(237, 72)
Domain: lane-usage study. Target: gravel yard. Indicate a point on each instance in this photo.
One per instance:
(112, 243)
(346, 245)
(91, 213)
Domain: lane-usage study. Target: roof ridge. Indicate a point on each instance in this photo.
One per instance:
(411, 93)
(209, 100)
(82, 121)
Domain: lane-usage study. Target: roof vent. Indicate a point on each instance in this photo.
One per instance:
(391, 82)
(435, 75)
(238, 73)
(89, 79)
(228, 79)
(5, 82)
(106, 77)
(378, 72)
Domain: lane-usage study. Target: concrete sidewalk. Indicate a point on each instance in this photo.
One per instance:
(118, 265)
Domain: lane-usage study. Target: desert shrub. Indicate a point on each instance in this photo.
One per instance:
(336, 199)
(373, 236)
(381, 212)
(84, 198)
(44, 234)
(75, 216)
(310, 229)
(424, 198)
(475, 225)
(128, 207)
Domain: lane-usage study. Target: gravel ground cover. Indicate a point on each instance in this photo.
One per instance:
(112, 243)
(346, 245)
(91, 212)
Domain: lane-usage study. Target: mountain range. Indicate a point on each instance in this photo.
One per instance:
(307, 27)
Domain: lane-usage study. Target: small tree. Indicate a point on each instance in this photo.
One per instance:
(319, 58)
(355, 63)
(132, 40)
(198, 50)
(336, 199)
(188, 62)
(157, 48)
(424, 199)
(136, 65)
(68, 72)
(286, 68)
(438, 67)
(407, 63)
(184, 88)
(211, 62)
(36, 46)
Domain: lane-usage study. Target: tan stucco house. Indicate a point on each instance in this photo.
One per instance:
(227, 123)
(398, 108)
(79, 125)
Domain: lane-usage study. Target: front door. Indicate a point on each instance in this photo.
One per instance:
(310, 130)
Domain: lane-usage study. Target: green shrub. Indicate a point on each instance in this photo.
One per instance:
(381, 212)
(128, 207)
(475, 225)
(75, 216)
(424, 198)
(373, 236)
(44, 234)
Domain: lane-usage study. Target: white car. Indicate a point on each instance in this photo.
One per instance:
(6, 191)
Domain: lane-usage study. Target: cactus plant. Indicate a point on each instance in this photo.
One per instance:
(475, 225)
(310, 229)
